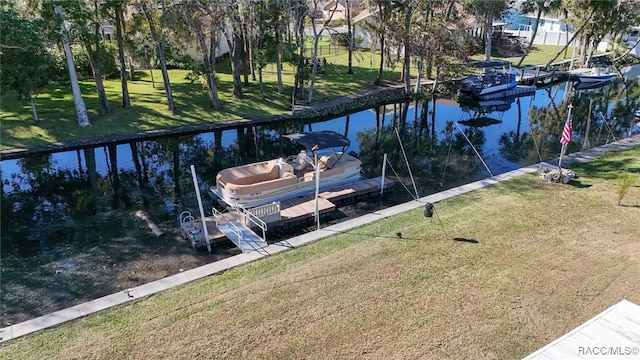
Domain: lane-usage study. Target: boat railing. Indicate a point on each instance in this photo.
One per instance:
(236, 230)
(250, 218)
(217, 215)
(268, 212)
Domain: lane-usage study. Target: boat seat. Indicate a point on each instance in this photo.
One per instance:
(327, 161)
(287, 179)
(249, 174)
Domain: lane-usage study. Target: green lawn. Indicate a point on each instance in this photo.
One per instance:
(468, 283)
(540, 54)
(58, 120)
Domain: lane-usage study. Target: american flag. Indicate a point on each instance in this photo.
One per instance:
(566, 133)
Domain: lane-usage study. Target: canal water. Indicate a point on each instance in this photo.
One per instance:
(69, 230)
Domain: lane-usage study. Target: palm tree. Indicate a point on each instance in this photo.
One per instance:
(539, 6)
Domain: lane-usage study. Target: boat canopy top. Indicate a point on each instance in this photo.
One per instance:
(320, 139)
(601, 62)
(489, 64)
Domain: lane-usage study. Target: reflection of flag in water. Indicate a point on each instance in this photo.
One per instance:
(566, 133)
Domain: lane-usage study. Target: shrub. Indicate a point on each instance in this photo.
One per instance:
(624, 183)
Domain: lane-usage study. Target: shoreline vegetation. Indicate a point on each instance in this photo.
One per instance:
(58, 128)
(466, 283)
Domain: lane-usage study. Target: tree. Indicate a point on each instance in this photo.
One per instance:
(382, 11)
(139, 44)
(316, 39)
(232, 30)
(88, 31)
(264, 41)
(440, 38)
(117, 8)
(407, 48)
(300, 12)
(539, 6)
(160, 51)
(488, 11)
(81, 109)
(597, 26)
(277, 17)
(612, 17)
(349, 36)
(25, 61)
(585, 14)
(204, 15)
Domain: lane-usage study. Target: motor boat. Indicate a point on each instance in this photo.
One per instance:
(600, 71)
(275, 180)
(495, 75)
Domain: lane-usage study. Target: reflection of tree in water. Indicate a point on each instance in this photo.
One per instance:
(515, 145)
(608, 111)
(466, 162)
(433, 161)
(627, 102)
(69, 234)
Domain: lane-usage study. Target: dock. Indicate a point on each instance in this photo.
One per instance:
(232, 225)
(539, 77)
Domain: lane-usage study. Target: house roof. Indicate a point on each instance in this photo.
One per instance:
(332, 3)
(363, 15)
(614, 333)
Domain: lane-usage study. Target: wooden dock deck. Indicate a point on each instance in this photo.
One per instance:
(539, 77)
(301, 210)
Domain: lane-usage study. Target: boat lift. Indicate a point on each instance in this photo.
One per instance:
(237, 227)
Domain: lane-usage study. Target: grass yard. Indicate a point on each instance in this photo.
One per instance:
(496, 273)
(58, 119)
(540, 54)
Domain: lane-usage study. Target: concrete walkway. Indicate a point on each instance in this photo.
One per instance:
(78, 311)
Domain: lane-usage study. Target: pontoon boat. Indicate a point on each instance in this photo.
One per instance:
(274, 180)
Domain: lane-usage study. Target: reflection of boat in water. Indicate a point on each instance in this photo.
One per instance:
(485, 106)
(284, 178)
(481, 107)
(600, 70)
(496, 76)
(580, 85)
(480, 121)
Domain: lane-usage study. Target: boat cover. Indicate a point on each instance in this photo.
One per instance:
(321, 139)
(489, 63)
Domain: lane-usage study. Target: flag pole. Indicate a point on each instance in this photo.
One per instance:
(560, 161)
(564, 145)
